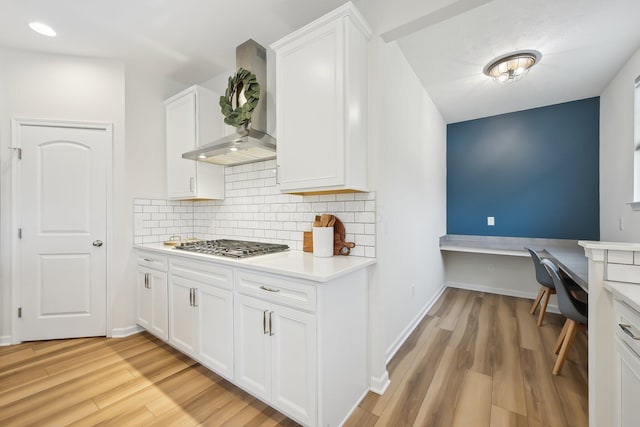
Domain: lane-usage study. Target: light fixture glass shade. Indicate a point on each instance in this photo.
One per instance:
(512, 67)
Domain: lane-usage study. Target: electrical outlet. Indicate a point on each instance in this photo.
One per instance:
(491, 220)
(621, 223)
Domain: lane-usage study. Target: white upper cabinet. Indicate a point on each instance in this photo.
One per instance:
(321, 104)
(193, 119)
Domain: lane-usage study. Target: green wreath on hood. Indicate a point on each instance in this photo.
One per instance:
(235, 114)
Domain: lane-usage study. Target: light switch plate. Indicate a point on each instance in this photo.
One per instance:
(491, 220)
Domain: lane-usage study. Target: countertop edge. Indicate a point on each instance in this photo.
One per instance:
(627, 292)
(246, 263)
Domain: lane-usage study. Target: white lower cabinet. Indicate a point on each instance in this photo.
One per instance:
(201, 313)
(151, 285)
(276, 356)
(183, 315)
(299, 346)
(627, 372)
(626, 365)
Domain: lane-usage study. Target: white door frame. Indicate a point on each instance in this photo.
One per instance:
(16, 123)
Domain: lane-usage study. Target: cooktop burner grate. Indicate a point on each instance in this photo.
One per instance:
(232, 248)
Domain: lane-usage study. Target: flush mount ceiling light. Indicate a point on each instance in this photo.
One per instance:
(512, 66)
(43, 29)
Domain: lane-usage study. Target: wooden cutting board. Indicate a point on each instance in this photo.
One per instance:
(307, 241)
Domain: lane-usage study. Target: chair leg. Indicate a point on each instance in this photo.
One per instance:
(545, 302)
(537, 301)
(571, 333)
(556, 348)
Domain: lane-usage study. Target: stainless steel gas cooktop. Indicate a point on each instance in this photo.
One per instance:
(231, 248)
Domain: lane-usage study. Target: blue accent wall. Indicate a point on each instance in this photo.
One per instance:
(535, 171)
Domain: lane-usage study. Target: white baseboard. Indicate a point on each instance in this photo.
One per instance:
(5, 340)
(393, 349)
(354, 408)
(125, 332)
(553, 308)
(379, 384)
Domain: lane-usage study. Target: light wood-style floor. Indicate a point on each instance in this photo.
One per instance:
(480, 360)
(476, 360)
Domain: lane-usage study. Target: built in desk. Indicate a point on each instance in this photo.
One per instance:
(566, 254)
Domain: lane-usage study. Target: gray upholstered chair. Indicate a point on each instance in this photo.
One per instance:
(573, 309)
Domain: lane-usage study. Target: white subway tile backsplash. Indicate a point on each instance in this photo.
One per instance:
(254, 209)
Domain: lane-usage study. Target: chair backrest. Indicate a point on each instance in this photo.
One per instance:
(542, 276)
(569, 306)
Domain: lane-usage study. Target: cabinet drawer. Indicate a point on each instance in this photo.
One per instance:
(202, 272)
(623, 273)
(620, 257)
(627, 325)
(152, 260)
(280, 291)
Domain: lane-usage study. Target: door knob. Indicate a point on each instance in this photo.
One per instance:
(97, 243)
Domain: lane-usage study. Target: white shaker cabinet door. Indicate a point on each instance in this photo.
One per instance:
(294, 368)
(252, 346)
(183, 315)
(181, 137)
(144, 299)
(311, 110)
(152, 302)
(627, 373)
(215, 326)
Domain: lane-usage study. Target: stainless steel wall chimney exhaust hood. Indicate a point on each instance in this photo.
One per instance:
(246, 145)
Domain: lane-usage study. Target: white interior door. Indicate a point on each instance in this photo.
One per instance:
(63, 194)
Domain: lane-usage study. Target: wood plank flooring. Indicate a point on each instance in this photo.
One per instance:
(476, 360)
(480, 360)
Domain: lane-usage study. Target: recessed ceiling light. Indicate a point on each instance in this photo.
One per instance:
(43, 29)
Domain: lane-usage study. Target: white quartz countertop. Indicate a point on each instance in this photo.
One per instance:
(627, 292)
(291, 263)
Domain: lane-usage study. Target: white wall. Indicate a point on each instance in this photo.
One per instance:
(145, 92)
(143, 175)
(408, 172)
(616, 156)
(43, 86)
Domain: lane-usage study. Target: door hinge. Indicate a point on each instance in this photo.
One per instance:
(19, 312)
(19, 233)
(18, 150)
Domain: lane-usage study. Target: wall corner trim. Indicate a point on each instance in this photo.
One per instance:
(379, 384)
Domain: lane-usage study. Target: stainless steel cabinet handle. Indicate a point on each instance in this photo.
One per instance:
(192, 182)
(190, 297)
(195, 302)
(148, 259)
(264, 322)
(264, 288)
(271, 333)
(97, 243)
(146, 280)
(627, 330)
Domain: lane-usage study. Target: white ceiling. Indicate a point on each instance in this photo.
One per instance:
(583, 44)
(448, 42)
(188, 40)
